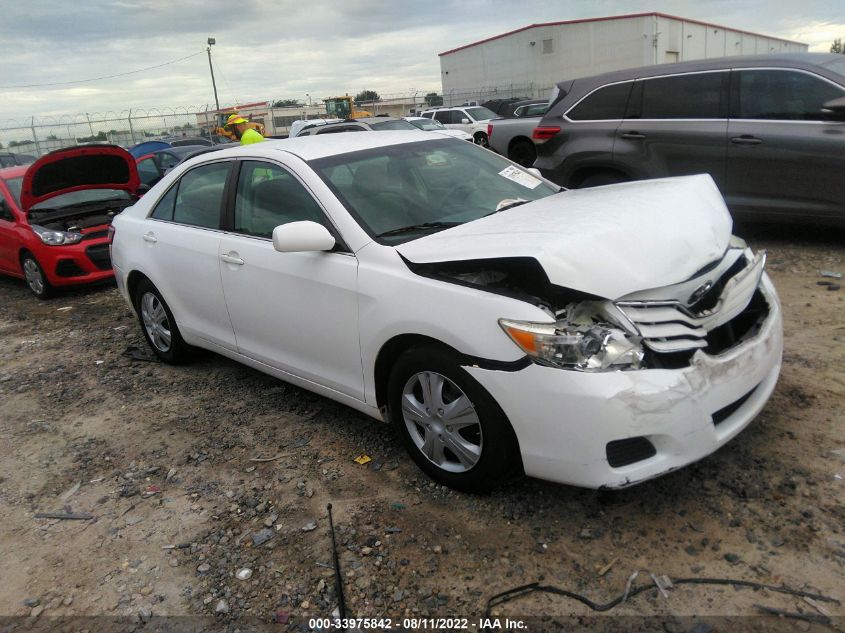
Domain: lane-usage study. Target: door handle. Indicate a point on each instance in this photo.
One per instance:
(746, 139)
(633, 136)
(150, 237)
(232, 258)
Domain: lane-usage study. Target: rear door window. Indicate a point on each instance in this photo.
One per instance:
(693, 96)
(784, 95)
(606, 103)
(444, 116)
(200, 195)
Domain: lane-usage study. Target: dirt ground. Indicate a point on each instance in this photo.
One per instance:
(163, 459)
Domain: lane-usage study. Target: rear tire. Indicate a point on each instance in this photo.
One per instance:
(601, 179)
(480, 138)
(450, 425)
(523, 153)
(35, 278)
(159, 326)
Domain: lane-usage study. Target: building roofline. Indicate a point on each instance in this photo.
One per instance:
(615, 17)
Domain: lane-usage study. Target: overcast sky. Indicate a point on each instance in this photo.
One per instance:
(285, 49)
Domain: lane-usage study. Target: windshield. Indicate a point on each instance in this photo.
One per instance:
(85, 196)
(14, 185)
(430, 182)
(427, 124)
(481, 114)
(398, 124)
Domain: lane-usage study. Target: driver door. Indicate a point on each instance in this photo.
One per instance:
(296, 312)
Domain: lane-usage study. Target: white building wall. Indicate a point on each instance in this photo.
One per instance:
(544, 55)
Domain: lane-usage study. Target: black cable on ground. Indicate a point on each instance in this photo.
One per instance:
(534, 587)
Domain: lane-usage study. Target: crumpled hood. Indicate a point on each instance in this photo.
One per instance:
(609, 241)
(76, 169)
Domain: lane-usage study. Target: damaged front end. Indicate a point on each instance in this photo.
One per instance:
(719, 307)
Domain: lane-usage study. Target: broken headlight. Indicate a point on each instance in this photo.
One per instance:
(56, 238)
(583, 347)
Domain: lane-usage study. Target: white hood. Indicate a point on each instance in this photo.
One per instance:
(609, 241)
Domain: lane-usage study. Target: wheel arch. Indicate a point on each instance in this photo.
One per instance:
(582, 173)
(135, 277)
(394, 347)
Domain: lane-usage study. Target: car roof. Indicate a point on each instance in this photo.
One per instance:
(375, 119)
(805, 61)
(315, 147)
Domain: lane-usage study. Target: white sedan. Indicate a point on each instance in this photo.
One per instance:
(432, 125)
(597, 337)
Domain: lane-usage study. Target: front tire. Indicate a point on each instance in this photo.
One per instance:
(523, 153)
(450, 425)
(159, 326)
(35, 278)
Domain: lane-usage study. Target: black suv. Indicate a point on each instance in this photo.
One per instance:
(769, 129)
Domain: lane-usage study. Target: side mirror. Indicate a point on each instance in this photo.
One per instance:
(534, 171)
(834, 110)
(465, 121)
(297, 237)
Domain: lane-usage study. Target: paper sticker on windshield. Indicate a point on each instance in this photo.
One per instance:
(520, 177)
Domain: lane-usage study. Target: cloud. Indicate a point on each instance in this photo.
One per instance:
(273, 49)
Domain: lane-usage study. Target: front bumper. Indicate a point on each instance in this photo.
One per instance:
(73, 264)
(564, 420)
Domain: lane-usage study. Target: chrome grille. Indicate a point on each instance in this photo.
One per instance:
(673, 326)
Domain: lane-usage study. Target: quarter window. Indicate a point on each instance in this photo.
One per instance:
(696, 96)
(606, 103)
(164, 209)
(268, 196)
(200, 194)
(783, 95)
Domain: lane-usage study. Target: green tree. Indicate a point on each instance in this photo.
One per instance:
(367, 95)
(286, 103)
(837, 47)
(99, 136)
(433, 99)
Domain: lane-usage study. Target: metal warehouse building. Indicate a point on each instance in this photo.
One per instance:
(540, 55)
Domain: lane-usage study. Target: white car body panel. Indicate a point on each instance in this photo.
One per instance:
(320, 319)
(649, 234)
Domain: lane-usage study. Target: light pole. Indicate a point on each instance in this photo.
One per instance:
(309, 99)
(212, 42)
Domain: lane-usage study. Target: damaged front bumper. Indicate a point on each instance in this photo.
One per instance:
(618, 428)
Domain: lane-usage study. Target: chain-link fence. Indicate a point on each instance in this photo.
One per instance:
(37, 135)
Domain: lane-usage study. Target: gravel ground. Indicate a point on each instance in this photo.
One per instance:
(187, 521)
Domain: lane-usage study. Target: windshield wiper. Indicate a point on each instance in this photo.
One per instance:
(509, 205)
(419, 227)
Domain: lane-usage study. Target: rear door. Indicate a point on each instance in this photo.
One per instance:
(784, 159)
(297, 312)
(9, 243)
(675, 125)
(183, 235)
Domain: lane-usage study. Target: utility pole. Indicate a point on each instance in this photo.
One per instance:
(211, 42)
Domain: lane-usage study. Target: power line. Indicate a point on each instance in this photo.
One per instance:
(82, 81)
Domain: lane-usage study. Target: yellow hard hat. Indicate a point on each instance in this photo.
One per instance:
(234, 119)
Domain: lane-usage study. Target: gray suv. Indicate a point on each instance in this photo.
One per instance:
(769, 129)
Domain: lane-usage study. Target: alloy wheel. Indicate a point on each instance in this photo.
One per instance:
(34, 276)
(442, 421)
(156, 322)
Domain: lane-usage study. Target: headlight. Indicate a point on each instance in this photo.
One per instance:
(56, 238)
(583, 347)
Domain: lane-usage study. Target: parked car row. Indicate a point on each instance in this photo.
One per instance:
(490, 315)
(769, 129)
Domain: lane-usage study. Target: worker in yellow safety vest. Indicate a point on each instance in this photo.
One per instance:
(246, 134)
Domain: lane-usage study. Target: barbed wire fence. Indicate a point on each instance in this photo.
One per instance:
(37, 135)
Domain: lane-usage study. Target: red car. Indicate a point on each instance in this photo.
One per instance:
(55, 215)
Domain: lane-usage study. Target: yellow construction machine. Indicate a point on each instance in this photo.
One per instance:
(343, 108)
